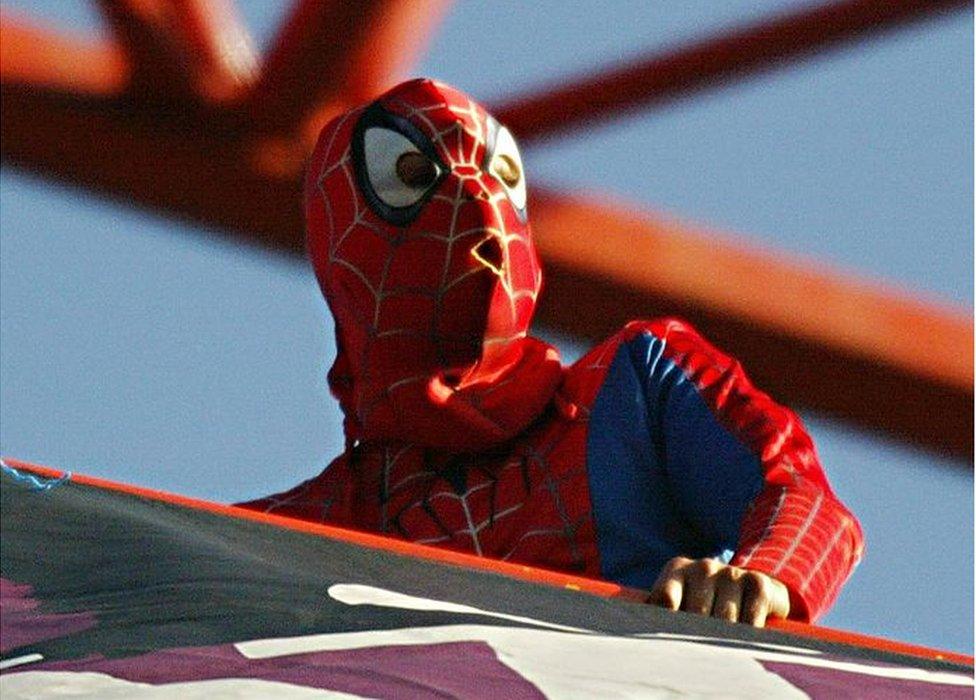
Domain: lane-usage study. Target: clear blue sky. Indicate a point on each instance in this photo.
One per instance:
(146, 351)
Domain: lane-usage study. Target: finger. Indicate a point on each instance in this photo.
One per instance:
(757, 598)
(699, 592)
(669, 587)
(780, 605)
(669, 594)
(728, 594)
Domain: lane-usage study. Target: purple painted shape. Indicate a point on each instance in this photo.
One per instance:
(21, 623)
(834, 684)
(453, 669)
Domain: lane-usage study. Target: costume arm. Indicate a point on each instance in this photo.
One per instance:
(744, 470)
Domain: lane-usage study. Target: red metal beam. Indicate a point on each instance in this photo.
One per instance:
(659, 78)
(31, 56)
(334, 52)
(202, 171)
(195, 51)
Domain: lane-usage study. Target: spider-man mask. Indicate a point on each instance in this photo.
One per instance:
(417, 229)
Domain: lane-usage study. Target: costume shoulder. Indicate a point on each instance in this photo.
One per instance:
(584, 378)
(742, 468)
(324, 498)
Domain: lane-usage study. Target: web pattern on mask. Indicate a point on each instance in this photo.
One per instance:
(461, 145)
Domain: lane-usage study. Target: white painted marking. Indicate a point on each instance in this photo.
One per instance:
(73, 684)
(591, 665)
(738, 642)
(20, 661)
(565, 665)
(357, 594)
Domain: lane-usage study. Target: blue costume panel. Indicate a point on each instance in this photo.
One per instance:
(666, 478)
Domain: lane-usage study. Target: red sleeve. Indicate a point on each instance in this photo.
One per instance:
(796, 530)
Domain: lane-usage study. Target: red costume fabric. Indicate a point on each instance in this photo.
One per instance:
(465, 432)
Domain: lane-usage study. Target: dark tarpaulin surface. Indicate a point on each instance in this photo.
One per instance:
(110, 593)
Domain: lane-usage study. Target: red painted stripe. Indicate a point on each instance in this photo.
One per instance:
(829, 634)
(518, 571)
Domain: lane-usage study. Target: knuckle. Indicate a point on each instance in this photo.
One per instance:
(662, 579)
(759, 583)
(705, 568)
(759, 604)
(727, 611)
(672, 568)
(669, 597)
(765, 588)
(752, 614)
(729, 574)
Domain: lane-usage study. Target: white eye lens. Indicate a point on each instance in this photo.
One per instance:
(506, 165)
(398, 172)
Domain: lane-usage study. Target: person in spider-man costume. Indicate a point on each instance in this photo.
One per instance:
(652, 461)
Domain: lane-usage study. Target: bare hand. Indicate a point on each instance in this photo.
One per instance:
(709, 587)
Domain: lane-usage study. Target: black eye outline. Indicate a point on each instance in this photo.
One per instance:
(491, 141)
(376, 116)
(490, 138)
